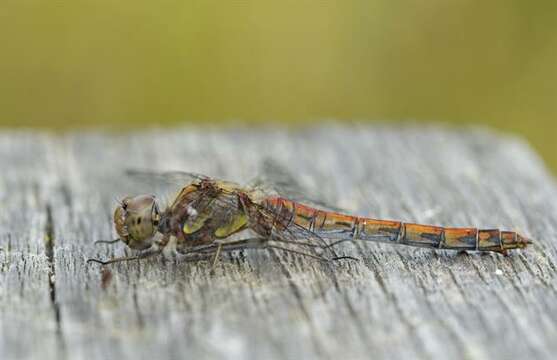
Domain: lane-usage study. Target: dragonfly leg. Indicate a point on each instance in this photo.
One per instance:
(106, 241)
(335, 243)
(297, 252)
(312, 246)
(250, 243)
(314, 256)
(143, 255)
(216, 257)
(154, 250)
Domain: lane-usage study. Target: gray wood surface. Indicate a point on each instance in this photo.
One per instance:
(58, 193)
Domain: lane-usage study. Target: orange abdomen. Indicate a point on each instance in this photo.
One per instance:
(336, 226)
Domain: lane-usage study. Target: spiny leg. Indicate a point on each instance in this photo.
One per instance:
(142, 255)
(216, 257)
(106, 241)
(214, 251)
(301, 253)
(153, 250)
(254, 243)
(318, 256)
(263, 243)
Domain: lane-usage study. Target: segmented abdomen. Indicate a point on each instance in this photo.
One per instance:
(331, 225)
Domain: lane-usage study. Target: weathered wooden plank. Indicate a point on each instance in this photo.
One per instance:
(396, 302)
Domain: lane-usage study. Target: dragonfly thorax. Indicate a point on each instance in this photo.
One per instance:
(136, 220)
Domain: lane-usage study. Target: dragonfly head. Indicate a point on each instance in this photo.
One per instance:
(136, 220)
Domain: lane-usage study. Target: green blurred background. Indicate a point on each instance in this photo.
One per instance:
(123, 64)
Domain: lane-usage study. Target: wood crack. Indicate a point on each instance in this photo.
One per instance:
(49, 243)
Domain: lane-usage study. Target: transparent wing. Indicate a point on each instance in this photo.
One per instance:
(276, 179)
(164, 184)
(272, 179)
(166, 177)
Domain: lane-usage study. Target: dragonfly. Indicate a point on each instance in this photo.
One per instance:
(210, 216)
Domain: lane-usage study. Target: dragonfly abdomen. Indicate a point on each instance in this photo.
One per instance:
(447, 238)
(336, 226)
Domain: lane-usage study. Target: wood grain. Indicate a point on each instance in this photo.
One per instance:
(58, 193)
